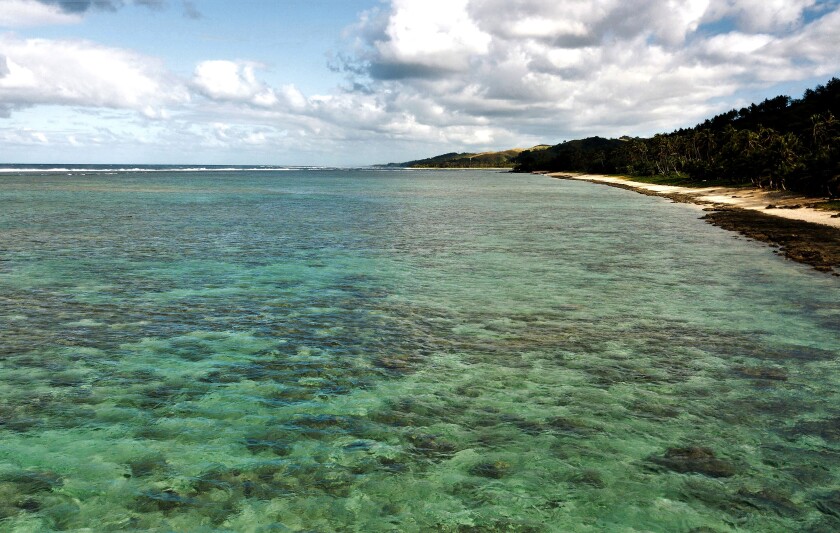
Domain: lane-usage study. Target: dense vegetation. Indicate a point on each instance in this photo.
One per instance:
(780, 143)
(502, 159)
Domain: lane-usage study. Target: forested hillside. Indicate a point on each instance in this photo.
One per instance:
(503, 159)
(780, 143)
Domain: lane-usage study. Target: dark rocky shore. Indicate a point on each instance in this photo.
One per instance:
(804, 242)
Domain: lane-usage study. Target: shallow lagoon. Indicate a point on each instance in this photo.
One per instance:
(404, 351)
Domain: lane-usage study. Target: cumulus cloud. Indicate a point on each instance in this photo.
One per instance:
(79, 73)
(233, 81)
(578, 23)
(433, 36)
(24, 13)
(428, 75)
(578, 67)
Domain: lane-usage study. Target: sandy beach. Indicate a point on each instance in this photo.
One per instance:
(800, 231)
(752, 199)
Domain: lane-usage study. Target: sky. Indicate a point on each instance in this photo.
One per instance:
(358, 82)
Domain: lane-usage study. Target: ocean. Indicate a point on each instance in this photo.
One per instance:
(297, 349)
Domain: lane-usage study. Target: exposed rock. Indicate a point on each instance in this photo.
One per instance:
(813, 244)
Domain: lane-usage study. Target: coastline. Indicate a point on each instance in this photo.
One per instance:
(801, 232)
(506, 169)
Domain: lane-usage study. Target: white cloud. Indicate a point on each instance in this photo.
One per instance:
(543, 27)
(432, 33)
(26, 13)
(568, 68)
(812, 50)
(29, 13)
(24, 137)
(233, 81)
(294, 97)
(419, 39)
(735, 44)
(437, 75)
(80, 73)
(575, 23)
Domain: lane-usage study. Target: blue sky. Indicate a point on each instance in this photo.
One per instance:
(292, 38)
(356, 82)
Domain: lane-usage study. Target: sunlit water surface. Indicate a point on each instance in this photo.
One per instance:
(404, 351)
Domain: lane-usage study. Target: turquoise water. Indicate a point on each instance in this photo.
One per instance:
(403, 351)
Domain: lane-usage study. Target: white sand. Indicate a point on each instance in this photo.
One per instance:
(754, 199)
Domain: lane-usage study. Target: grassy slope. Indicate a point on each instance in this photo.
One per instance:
(501, 159)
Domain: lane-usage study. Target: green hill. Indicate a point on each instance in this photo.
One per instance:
(781, 143)
(502, 159)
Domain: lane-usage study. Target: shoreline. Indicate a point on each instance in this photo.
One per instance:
(506, 169)
(801, 232)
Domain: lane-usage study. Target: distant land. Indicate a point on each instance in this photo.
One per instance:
(503, 159)
(781, 144)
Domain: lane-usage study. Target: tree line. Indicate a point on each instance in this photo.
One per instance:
(780, 143)
(503, 159)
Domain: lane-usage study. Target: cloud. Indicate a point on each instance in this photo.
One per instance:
(25, 137)
(81, 6)
(233, 81)
(80, 73)
(25, 13)
(421, 39)
(428, 75)
(28, 13)
(568, 68)
(581, 23)
(812, 50)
